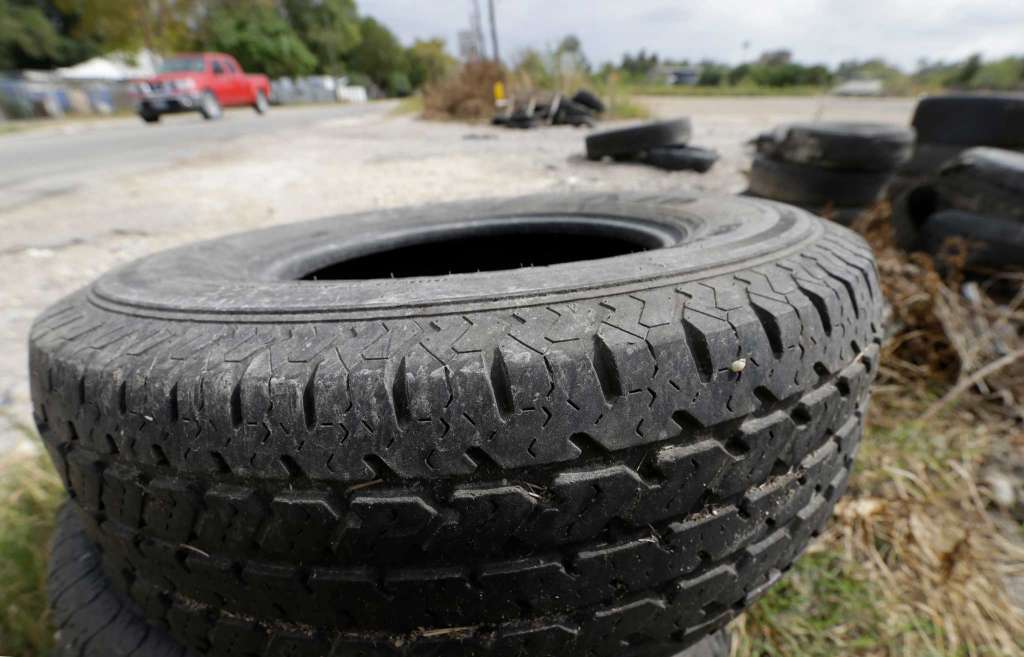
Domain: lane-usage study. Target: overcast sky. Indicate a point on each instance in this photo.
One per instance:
(826, 31)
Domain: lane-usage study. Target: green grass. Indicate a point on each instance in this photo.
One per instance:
(622, 106)
(30, 493)
(824, 607)
(408, 105)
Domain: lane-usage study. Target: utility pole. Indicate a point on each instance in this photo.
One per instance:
(494, 32)
(476, 27)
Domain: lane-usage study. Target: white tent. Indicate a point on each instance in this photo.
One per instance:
(116, 66)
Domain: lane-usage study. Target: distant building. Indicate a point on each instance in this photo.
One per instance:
(859, 88)
(675, 75)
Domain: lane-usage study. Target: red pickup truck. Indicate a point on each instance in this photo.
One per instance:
(201, 82)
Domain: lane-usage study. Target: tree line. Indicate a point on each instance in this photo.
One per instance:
(778, 68)
(276, 37)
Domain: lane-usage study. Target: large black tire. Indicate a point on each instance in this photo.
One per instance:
(984, 181)
(681, 158)
(91, 617)
(607, 457)
(95, 620)
(812, 186)
(991, 241)
(971, 120)
(630, 141)
(590, 100)
(841, 145)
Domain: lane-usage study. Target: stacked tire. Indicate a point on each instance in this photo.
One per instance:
(313, 440)
(978, 198)
(840, 169)
(947, 125)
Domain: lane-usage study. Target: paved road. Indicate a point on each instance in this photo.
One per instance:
(56, 160)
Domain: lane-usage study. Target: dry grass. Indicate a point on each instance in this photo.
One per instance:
(913, 563)
(466, 96)
(469, 94)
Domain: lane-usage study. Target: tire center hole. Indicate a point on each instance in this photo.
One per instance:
(493, 245)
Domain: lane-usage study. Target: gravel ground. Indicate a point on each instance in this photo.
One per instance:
(56, 244)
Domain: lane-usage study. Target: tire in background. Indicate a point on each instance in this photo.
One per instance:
(811, 186)
(630, 141)
(971, 120)
(991, 241)
(620, 451)
(681, 158)
(590, 100)
(910, 211)
(984, 181)
(841, 145)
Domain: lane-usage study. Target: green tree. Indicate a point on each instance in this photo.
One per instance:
(40, 34)
(260, 39)
(534, 68)
(712, 74)
(1005, 74)
(428, 61)
(159, 25)
(329, 28)
(379, 55)
(640, 65)
(571, 48)
(962, 76)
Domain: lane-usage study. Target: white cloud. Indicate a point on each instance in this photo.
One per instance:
(828, 31)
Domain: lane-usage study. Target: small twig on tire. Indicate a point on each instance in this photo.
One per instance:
(964, 385)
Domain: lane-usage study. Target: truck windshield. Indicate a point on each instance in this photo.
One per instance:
(182, 65)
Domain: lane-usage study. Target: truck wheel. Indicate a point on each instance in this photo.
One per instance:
(149, 116)
(261, 105)
(562, 424)
(209, 106)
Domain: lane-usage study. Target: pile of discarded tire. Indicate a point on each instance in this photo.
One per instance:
(949, 124)
(662, 144)
(977, 197)
(582, 109)
(834, 168)
(556, 425)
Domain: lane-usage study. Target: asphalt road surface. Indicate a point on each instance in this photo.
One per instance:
(57, 160)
